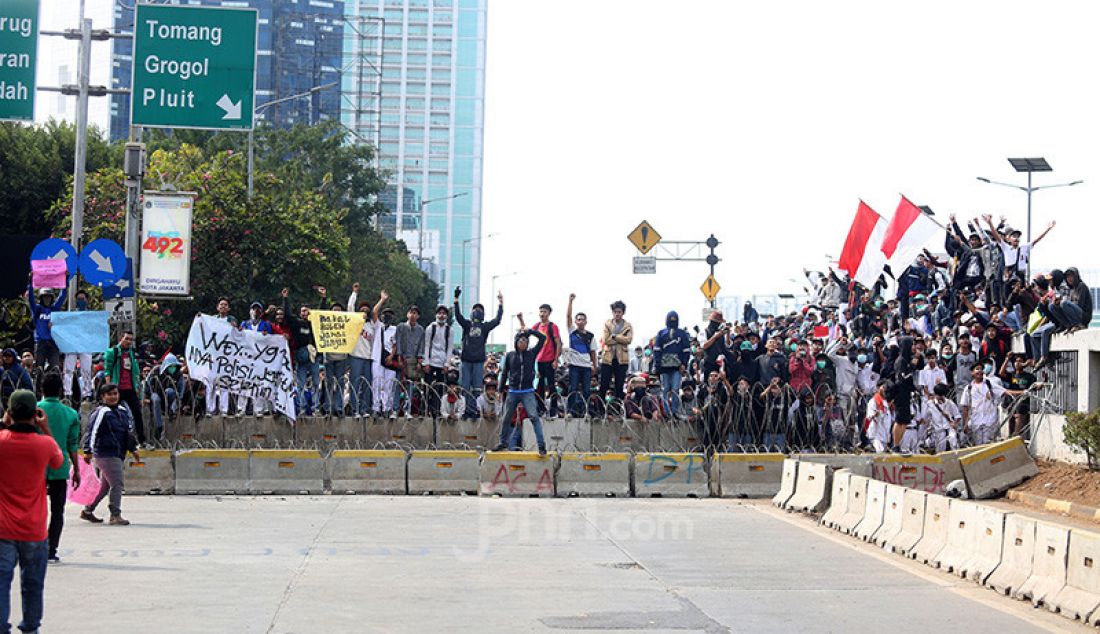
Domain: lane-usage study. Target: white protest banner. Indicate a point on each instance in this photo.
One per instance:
(166, 244)
(242, 362)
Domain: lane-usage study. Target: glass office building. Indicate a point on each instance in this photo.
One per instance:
(427, 122)
(300, 46)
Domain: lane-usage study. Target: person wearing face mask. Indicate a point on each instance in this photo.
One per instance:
(713, 412)
(979, 401)
(84, 385)
(801, 367)
(518, 370)
(773, 364)
(382, 372)
(475, 334)
(941, 417)
(255, 323)
(303, 348)
(672, 347)
(880, 417)
(905, 373)
(714, 342)
(438, 347)
(931, 375)
(947, 362)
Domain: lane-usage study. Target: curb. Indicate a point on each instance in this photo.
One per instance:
(1072, 509)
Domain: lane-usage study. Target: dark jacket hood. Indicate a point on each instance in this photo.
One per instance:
(672, 315)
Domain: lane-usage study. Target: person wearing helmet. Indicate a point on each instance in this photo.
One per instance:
(46, 354)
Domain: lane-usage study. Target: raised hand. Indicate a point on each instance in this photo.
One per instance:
(384, 296)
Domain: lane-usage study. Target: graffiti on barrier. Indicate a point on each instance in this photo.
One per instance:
(922, 477)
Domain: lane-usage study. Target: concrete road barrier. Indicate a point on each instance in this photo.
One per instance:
(989, 534)
(517, 474)
(1049, 563)
(561, 434)
(367, 471)
(213, 471)
(991, 471)
(466, 434)
(235, 430)
(594, 474)
(417, 433)
(210, 429)
(811, 492)
(857, 464)
(154, 473)
(1080, 598)
(283, 471)
(912, 523)
(179, 429)
(742, 475)
(678, 435)
(376, 431)
(267, 433)
(934, 539)
(670, 475)
(787, 483)
(619, 436)
(962, 533)
(857, 504)
(892, 513)
(920, 472)
(873, 512)
(838, 498)
(443, 472)
(1017, 551)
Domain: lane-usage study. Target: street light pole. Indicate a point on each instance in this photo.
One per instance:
(424, 223)
(493, 290)
(466, 243)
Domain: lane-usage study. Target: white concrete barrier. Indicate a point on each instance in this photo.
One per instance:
(671, 475)
(838, 498)
(594, 474)
(995, 469)
(873, 512)
(1080, 597)
(787, 483)
(741, 475)
(892, 514)
(934, 538)
(154, 473)
(213, 471)
(811, 492)
(443, 472)
(989, 534)
(286, 471)
(962, 532)
(517, 474)
(367, 471)
(1017, 551)
(1048, 564)
(912, 523)
(857, 504)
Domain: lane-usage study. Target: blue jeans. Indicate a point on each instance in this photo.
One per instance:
(775, 442)
(471, 379)
(306, 369)
(737, 442)
(509, 436)
(361, 378)
(31, 557)
(1067, 314)
(334, 385)
(1012, 320)
(670, 390)
(1040, 341)
(170, 403)
(580, 384)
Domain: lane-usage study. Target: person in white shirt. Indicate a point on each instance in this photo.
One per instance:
(437, 350)
(880, 417)
(1016, 254)
(980, 406)
(931, 376)
(846, 372)
(384, 378)
(939, 416)
(453, 404)
(361, 359)
(866, 377)
(489, 404)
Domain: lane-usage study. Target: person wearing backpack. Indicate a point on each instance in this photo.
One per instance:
(438, 347)
(979, 402)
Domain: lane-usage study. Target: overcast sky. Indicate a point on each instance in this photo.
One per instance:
(765, 123)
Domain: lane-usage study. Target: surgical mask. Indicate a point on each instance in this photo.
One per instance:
(820, 365)
(81, 304)
(793, 347)
(948, 357)
(862, 358)
(648, 352)
(442, 319)
(988, 368)
(745, 345)
(387, 319)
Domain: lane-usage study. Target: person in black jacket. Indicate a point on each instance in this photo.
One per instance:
(110, 437)
(519, 374)
(303, 347)
(475, 332)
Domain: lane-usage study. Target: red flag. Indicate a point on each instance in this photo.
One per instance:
(862, 257)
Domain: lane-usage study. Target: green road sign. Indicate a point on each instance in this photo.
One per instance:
(194, 67)
(18, 55)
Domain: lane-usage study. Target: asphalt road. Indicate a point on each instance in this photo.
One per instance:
(414, 564)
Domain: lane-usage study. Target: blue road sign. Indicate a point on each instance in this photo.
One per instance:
(57, 249)
(102, 262)
(123, 287)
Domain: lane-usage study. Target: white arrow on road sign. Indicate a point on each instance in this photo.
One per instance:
(232, 110)
(60, 255)
(102, 263)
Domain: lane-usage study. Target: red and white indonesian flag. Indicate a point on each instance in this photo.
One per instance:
(862, 257)
(909, 232)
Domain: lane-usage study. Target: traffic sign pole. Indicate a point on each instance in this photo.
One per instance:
(84, 62)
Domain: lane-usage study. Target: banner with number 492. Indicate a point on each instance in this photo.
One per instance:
(166, 244)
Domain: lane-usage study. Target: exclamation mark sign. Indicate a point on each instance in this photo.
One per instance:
(645, 237)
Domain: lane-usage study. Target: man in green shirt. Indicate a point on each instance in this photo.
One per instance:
(65, 429)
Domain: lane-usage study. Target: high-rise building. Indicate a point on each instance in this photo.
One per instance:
(428, 124)
(300, 46)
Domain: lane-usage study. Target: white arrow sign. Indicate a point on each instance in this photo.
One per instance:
(232, 110)
(101, 263)
(60, 255)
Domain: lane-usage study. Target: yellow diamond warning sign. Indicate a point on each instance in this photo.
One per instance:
(644, 237)
(710, 288)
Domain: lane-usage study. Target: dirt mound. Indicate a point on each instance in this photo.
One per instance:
(1067, 482)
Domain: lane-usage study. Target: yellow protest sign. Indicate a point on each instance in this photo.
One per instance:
(335, 331)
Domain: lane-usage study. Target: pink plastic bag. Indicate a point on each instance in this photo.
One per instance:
(89, 485)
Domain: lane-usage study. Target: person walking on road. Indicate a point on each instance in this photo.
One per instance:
(26, 451)
(109, 439)
(65, 429)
